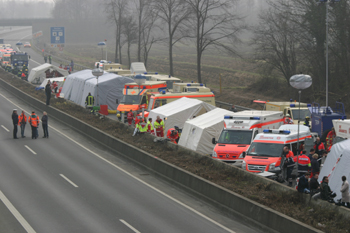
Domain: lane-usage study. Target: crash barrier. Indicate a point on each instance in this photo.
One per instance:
(236, 204)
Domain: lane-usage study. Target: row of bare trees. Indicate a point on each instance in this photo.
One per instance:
(206, 23)
(291, 38)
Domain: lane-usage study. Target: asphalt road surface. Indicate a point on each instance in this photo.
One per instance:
(68, 183)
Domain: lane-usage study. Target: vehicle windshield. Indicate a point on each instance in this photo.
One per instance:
(303, 114)
(20, 57)
(235, 137)
(170, 83)
(6, 58)
(265, 149)
(131, 99)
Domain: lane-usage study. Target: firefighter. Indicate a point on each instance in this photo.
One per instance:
(130, 117)
(22, 122)
(319, 147)
(304, 164)
(89, 101)
(173, 135)
(33, 120)
(307, 121)
(8, 68)
(289, 161)
(159, 125)
(288, 120)
(329, 139)
(23, 76)
(150, 128)
(19, 73)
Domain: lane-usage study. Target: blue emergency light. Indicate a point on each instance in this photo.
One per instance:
(292, 105)
(188, 84)
(284, 131)
(145, 73)
(267, 131)
(156, 73)
(169, 76)
(201, 85)
(309, 105)
(255, 118)
(127, 87)
(228, 117)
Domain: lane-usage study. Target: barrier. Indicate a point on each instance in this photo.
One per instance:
(257, 214)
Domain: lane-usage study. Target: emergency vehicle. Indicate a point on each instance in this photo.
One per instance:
(291, 108)
(190, 87)
(170, 81)
(5, 59)
(239, 131)
(266, 151)
(115, 68)
(134, 95)
(342, 130)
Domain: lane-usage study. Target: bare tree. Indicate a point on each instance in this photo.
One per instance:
(173, 13)
(129, 30)
(214, 25)
(148, 34)
(276, 39)
(116, 10)
(141, 12)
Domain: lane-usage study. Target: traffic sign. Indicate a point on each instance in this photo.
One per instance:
(57, 35)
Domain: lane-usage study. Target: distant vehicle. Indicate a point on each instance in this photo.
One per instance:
(27, 45)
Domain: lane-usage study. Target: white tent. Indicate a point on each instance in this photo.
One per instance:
(74, 85)
(337, 165)
(37, 74)
(197, 133)
(57, 79)
(110, 89)
(178, 111)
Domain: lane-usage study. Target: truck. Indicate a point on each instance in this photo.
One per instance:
(18, 60)
(265, 154)
(342, 129)
(291, 108)
(240, 130)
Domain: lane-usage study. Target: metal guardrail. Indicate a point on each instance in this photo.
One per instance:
(229, 106)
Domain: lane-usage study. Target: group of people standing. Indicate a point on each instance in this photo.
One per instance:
(33, 120)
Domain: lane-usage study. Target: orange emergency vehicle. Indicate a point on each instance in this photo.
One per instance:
(266, 151)
(240, 129)
(5, 59)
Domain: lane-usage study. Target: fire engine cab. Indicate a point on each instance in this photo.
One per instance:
(266, 151)
(240, 129)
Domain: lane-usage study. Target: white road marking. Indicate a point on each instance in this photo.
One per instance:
(16, 214)
(5, 128)
(30, 149)
(136, 178)
(128, 225)
(64, 177)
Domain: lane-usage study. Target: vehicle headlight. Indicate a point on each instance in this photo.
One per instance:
(272, 166)
(243, 165)
(214, 155)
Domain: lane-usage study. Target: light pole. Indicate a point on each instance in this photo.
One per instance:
(300, 82)
(106, 49)
(97, 72)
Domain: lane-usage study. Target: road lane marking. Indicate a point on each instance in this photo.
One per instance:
(71, 182)
(136, 178)
(128, 225)
(16, 214)
(5, 128)
(30, 149)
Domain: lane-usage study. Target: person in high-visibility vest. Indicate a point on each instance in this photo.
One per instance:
(34, 123)
(304, 164)
(22, 122)
(330, 138)
(130, 117)
(143, 126)
(89, 101)
(150, 128)
(159, 126)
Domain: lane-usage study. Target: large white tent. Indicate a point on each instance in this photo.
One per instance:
(74, 85)
(197, 133)
(178, 111)
(337, 165)
(37, 74)
(110, 88)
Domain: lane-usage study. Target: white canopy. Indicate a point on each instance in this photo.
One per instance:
(58, 79)
(37, 74)
(110, 89)
(74, 85)
(337, 165)
(178, 111)
(197, 133)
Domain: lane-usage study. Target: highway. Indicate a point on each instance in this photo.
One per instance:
(68, 183)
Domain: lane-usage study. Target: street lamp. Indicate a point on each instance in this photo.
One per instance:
(102, 44)
(300, 82)
(97, 72)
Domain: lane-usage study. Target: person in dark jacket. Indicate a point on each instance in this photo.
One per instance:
(15, 123)
(325, 189)
(48, 92)
(303, 185)
(44, 122)
(314, 185)
(315, 166)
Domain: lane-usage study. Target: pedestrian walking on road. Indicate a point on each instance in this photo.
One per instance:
(50, 59)
(48, 92)
(33, 120)
(44, 122)
(45, 59)
(22, 122)
(15, 123)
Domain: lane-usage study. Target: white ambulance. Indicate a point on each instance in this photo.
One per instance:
(240, 129)
(342, 129)
(265, 152)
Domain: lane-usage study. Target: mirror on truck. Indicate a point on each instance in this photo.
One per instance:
(213, 141)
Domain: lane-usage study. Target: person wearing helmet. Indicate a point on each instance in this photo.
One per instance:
(288, 120)
(307, 121)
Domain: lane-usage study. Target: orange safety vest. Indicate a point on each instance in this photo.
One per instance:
(330, 136)
(22, 119)
(34, 120)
